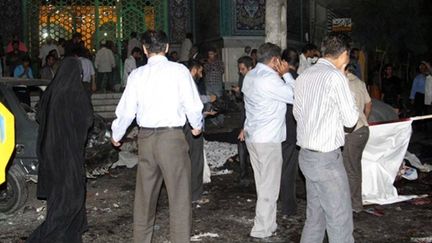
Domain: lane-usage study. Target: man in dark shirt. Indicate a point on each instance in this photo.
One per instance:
(390, 87)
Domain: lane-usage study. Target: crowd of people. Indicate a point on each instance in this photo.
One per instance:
(306, 111)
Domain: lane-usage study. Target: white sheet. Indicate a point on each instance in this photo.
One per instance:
(381, 160)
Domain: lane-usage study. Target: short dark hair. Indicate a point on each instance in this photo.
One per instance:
(135, 50)
(267, 51)
(335, 44)
(351, 67)
(291, 56)
(309, 47)
(189, 35)
(48, 57)
(155, 41)
(212, 49)
(134, 34)
(192, 63)
(246, 60)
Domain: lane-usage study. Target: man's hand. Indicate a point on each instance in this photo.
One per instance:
(93, 87)
(209, 113)
(212, 98)
(115, 143)
(241, 136)
(282, 67)
(196, 131)
(235, 88)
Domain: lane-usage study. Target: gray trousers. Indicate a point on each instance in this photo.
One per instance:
(163, 157)
(266, 160)
(355, 143)
(328, 197)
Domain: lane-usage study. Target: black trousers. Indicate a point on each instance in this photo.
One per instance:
(290, 154)
(244, 161)
(196, 154)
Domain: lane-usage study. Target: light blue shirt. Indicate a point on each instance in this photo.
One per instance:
(418, 85)
(19, 71)
(159, 94)
(266, 96)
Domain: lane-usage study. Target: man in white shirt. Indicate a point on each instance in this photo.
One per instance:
(104, 63)
(266, 96)
(130, 64)
(323, 106)
(185, 48)
(133, 42)
(305, 59)
(88, 72)
(160, 95)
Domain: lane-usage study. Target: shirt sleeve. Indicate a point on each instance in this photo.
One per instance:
(279, 90)
(345, 101)
(190, 99)
(125, 111)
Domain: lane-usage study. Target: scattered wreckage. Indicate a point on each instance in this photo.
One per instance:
(23, 164)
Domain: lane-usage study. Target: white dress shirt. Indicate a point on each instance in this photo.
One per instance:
(266, 96)
(303, 64)
(104, 60)
(88, 69)
(159, 94)
(129, 66)
(323, 105)
(185, 49)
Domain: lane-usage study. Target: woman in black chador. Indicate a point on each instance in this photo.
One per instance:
(65, 116)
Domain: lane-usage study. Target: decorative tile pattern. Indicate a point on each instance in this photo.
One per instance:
(249, 17)
(179, 19)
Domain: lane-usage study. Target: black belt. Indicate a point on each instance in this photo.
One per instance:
(160, 128)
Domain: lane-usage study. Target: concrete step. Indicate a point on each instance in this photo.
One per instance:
(107, 115)
(99, 102)
(104, 104)
(104, 108)
(99, 96)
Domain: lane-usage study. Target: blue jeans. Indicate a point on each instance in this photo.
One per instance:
(328, 197)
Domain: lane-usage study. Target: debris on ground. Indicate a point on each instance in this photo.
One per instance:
(421, 239)
(202, 235)
(127, 159)
(415, 161)
(374, 211)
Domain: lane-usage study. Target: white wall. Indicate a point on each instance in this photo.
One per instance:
(233, 49)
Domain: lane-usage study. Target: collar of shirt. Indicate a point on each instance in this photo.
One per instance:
(326, 62)
(265, 67)
(156, 59)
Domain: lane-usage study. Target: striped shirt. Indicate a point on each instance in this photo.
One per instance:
(323, 105)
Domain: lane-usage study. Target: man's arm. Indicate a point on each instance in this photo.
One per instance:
(368, 109)
(191, 102)
(345, 101)
(125, 112)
